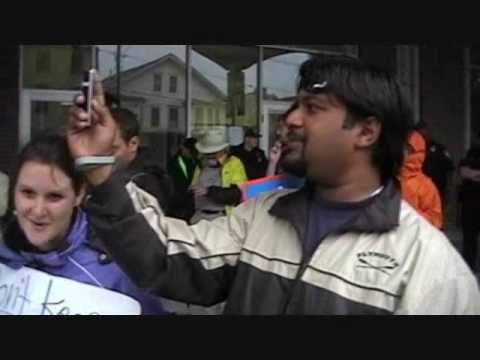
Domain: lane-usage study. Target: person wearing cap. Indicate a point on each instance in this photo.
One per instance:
(344, 244)
(181, 168)
(217, 180)
(253, 158)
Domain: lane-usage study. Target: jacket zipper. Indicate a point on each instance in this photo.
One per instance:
(306, 262)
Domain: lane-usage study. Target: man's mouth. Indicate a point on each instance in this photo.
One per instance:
(295, 137)
(293, 143)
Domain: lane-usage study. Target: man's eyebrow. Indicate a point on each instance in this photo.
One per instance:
(312, 97)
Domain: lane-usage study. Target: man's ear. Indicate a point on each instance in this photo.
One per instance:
(369, 131)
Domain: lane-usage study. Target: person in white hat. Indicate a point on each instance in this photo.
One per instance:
(216, 182)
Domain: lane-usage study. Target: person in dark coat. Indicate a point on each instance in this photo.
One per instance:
(253, 158)
(138, 162)
(181, 169)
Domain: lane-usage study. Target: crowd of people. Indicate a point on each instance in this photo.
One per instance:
(360, 230)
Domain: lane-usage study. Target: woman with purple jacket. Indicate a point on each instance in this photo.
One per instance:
(47, 230)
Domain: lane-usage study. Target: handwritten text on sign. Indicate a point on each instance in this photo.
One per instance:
(31, 292)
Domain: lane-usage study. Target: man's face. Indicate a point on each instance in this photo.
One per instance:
(186, 152)
(251, 142)
(318, 144)
(125, 152)
(213, 159)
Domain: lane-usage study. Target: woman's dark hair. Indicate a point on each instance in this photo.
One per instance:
(366, 91)
(48, 149)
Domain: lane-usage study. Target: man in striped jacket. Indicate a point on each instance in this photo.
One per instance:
(344, 244)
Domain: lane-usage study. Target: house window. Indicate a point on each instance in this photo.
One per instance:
(155, 119)
(77, 60)
(173, 84)
(199, 115)
(43, 61)
(40, 109)
(210, 115)
(157, 82)
(173, 118)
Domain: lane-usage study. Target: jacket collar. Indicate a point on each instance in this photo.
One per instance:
(379, 216)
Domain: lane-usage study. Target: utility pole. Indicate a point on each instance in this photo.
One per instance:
(119, 69)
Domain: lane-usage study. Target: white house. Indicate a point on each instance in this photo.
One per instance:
(155, 91)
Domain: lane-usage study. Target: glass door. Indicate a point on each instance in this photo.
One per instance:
(43, 110)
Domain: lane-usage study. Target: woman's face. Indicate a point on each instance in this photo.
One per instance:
(44, 201)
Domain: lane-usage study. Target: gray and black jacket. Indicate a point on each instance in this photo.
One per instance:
(389, 260)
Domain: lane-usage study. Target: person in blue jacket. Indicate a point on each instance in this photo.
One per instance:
(48, 231)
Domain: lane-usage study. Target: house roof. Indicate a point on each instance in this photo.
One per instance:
(133, 73)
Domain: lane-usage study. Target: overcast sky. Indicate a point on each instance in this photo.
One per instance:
(280, 73)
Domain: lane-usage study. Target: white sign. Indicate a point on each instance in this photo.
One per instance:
(31, 292)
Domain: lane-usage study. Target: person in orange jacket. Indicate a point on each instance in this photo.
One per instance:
(417, 188)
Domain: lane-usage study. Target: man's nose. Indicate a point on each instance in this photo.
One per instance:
(295, 118)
